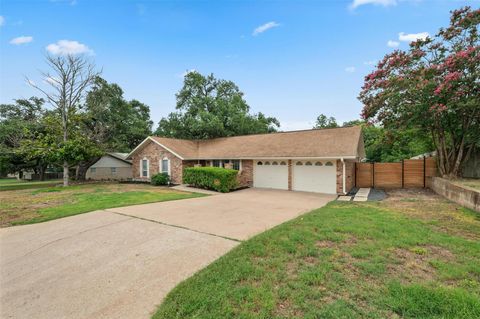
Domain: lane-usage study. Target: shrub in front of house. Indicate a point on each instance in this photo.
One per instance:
(214, 178)
(160, 179)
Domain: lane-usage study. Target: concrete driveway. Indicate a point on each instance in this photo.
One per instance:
(121, 262)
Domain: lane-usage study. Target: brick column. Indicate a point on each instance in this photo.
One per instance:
(290, 175)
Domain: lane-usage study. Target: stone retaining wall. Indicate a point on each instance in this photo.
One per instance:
(466, 197)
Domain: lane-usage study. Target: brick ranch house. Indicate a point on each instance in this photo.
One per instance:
(319, 160)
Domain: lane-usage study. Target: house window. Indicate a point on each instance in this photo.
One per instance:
(113, 170)
(236, 164)
(259, 163)
(328, 164)
(283, 163)
(144, 168)
(274, 163)
(221, 163)
(165, 166)
(93, 170)
(308, 163)
(267, 163)
(299, 163)
(318, 164)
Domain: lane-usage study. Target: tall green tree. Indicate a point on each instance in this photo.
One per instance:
(20, 121)
(208, 107)
(325, 122)
(69, 78)
(111, 122)
(433, 88)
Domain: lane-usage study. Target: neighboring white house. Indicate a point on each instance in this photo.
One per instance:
(111, 166)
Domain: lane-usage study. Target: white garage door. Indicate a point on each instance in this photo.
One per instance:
(270, 174)
(315, 176)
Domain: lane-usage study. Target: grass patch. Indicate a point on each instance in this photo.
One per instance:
(469, 182)
(8, 184)
(345, 260)
(419, 301)
(26, 206)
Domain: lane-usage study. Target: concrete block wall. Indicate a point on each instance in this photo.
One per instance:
(463, 196)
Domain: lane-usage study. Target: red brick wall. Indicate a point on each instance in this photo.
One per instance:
(154, 153)
(349, 176)
(245, 177)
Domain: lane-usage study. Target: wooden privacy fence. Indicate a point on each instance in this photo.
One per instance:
(404, 174)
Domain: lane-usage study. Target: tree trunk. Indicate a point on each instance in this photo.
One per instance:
(42, 172)
(65, 173)
(82, 168)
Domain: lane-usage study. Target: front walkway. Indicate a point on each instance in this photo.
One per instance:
(121, 262)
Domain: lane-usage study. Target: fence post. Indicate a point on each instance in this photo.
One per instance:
(403, 174)
(373, 174)
(424, 173)
(356, 171)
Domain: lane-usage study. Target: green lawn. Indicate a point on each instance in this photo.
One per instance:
(14, 184)
(470, 182)
(20, 207)
(409, 257)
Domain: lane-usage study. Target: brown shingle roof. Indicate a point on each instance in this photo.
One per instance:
(337, 142)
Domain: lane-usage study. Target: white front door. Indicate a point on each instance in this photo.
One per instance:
(315, 176)
(270, 174)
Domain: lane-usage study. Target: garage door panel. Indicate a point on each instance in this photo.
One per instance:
(270, 176)
(321, 178)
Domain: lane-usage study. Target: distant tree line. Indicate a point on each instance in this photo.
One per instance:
(382, 144)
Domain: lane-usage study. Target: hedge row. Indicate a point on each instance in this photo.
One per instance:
(214, 178)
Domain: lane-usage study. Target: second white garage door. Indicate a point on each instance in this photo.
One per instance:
(315, 176)
(270, 174)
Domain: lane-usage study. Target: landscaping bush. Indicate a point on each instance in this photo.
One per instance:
(160, 179)
(214, 178)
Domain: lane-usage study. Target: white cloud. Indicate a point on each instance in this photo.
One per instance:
(350, 69)
(409, 37)
(65, 47)
(30, 82)
(265, 27)
(21, 40)
(357, 3)
(2, 21)
(393, 44)
(371, 62)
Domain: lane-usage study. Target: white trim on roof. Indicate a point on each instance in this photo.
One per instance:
(153, 140)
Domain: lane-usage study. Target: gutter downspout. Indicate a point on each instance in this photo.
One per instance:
(343, 175)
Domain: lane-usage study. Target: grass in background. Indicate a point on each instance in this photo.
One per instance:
(469, 182)
(412, 256)
(32, 206)
(7, 184)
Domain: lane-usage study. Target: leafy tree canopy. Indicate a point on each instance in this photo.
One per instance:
(325, 122)
(112, 122)
(17, 122)
(208, 107)
(433, 88)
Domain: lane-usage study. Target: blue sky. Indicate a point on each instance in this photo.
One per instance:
(292, 59)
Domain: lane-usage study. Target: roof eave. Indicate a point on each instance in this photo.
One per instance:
(149, 138)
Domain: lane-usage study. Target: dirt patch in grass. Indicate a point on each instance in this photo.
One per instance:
(411, 266)
(414, 264)
(442, 214)
(326, 244)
